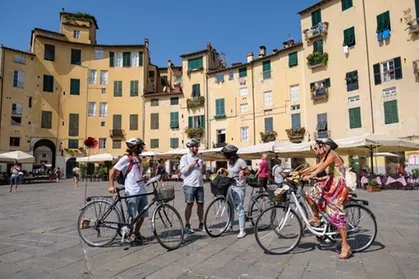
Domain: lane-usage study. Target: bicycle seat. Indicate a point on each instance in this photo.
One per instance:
(119, 188)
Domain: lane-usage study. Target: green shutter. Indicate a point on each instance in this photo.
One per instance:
(417, 8)
(318, 46)
(74, 86)
(316, 17)
(327, 83)
(134, 88)
(383, 22)
(202, 121)
(48, 85)
(190, 122)
(355, 118)
(117, 88)
(196, 90)
(266, 65)
(111, 59)
(126, 59)
(377, 73)
(349, 37)
(292, 59)
(398, 68)
(195, 64)
(219, 107)
(174, 120)
(346, 4)
(391, 113)
(222, 107)
(242, 72)
(141, 58)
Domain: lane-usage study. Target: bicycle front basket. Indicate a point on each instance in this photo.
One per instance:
(166, 194)
(277, 194)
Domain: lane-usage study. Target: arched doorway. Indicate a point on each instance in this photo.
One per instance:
(69, 165)
(44, 152)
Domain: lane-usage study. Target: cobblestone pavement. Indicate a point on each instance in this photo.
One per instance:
(38, 239)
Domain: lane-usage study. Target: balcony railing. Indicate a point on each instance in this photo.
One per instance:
(319, 93)
(268, 136)
(316, 59)
(117, 133)
(218, 144)
(416, 67)
(316, 31)
(296, 134)
(194, 102)
(321, 134)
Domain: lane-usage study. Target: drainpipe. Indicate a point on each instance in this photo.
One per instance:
(254, 106)
(368, 65)
(207, 132)
(143, 120)
(3, 54)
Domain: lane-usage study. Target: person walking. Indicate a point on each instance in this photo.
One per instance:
(278, 173)
(192, 168)
(263, 171)
(76, 176)
(14, 178)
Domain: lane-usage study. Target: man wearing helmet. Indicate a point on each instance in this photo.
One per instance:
(192, 167)
(130, 166)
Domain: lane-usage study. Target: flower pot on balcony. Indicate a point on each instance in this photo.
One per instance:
(195, 102)
(197, 132)
(268, 136)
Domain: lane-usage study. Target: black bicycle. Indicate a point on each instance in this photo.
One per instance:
(107, 216)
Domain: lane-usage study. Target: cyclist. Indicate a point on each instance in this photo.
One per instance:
(237, 169)
(192, 167)
(131, 168)
(331, 196)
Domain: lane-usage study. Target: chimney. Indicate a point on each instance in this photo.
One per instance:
(249, 57)
(146, 42)
(209, 47)
(262, 51)
(275, 50)
(169, 63)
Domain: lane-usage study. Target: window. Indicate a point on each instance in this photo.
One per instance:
(73, 127)
(383, 22)
(296, 120)
(391, 114)
(266, 69)
(389, 92)
(353, 99)
(117, 88)
(318, 46)
(154, 102)
(230, 75)
(136, 59)
(349, 37)
(103, 90)
(196, 121)
(219, 107)
(267, 97)
(355, 118)
(154, 143)
(102, 123)
(133, 88)
(352, 81)
(18, 79)
(46, 119)
(196, 90)
(48, 85)
(164, 81)
(92, 76)
(219, 77)
(244, 108)
(102, 143)
(91, 109)
(103, 77)
(293, 59)
(295, 93)
(174, 142)
(76, 56)
(316, 17)
(14, 141)
(111, 59)
(195, 64)
(16, 116)
(346, 4)
(295, 107)
(243, 92)
(322, 125)
(76, 34)
(154, 121)
(133, 122)
(318, 88)
(116, 144)
(74, 86)
(73, 143)
(99, 53)
(19, 59)
(242, 72)
(174, 120)
(49, 52)
(103, 109)
(117, 122)
(116, 59)
(126, 59)
(174, 101)
(388, 70)
(244, 134)
(269, 124)
(221, 136)
(30, 102)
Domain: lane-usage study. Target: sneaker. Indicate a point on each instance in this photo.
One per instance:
(201, 227)
(241, 234)
(188, 229)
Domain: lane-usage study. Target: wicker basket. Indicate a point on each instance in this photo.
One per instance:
(273, 198)
(166, 194)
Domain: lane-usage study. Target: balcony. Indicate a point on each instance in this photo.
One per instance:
(268, 136)
(197, 132)
(195, 102)
(296, 135)
(117, 133)
(316, 60)
(321, 134)
(316, 31)
(416, 67)
(319, 93)
(218, 144)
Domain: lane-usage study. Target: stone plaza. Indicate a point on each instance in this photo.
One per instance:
(39, 239)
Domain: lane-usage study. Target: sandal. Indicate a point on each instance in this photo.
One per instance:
(345, 254)
(315, 223)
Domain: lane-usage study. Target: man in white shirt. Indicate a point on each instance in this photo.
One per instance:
(14, 178)
(130, 166)
(192, 167)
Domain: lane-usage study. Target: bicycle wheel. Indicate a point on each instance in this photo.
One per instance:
(217, 217)
(258, 205)
(360, 237)
(167, 226)
(283, 233)
(96, 220)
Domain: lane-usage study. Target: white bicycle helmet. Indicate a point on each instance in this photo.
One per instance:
(134, 142)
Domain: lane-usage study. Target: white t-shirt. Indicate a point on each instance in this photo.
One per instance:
(192, 177)
(277, 174)
(134, 183)
(234, 170)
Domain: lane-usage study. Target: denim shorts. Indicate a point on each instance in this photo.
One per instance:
(279, 185)
(135, 205)
(14, 179)
(193, 194)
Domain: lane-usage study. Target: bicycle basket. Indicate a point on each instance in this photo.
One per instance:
(277, 194)
(166, 194)
(220, 185)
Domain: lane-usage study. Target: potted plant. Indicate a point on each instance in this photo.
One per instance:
(373, 186)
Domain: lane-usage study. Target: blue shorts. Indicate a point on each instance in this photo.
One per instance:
(14, 179)
(279, 185)
(193, 194)
(135, 205)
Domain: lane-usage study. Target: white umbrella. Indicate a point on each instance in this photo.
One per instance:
(18, 156)
(150, 154)
(213, 154)
(96, 158)
(173, 154)
(386, 154)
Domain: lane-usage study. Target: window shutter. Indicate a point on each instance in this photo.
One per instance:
(355, 118)
(242, 72)
(316, 17)
(202, 120)
(318, 46)
(292, 59)
(268, 124)
(295, 121)
(126, 60)
(174, 122)
(266, 66)
(379, 24)
(217, 107)
(222, 107)
(190, 122)
(398, 68)
(111, 59)
(395, 112)
(312, 85)
(387, 113)
(377, 74)
(327, 83)
(386, 20)
(141, 58)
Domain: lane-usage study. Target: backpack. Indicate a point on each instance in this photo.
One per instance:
(220, 185)
(121, 176)
(350, 179)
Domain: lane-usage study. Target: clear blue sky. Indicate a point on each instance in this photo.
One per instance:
(173, 27)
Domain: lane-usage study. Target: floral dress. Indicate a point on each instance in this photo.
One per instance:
(331, 196)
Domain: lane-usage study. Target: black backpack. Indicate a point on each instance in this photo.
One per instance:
(121, 176)
(220, 185)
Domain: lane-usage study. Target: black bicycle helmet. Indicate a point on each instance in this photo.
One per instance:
(327, 141)
(193, 142)
(229, 149)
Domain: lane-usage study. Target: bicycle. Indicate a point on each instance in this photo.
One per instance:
(276, 226)
(106, 207)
